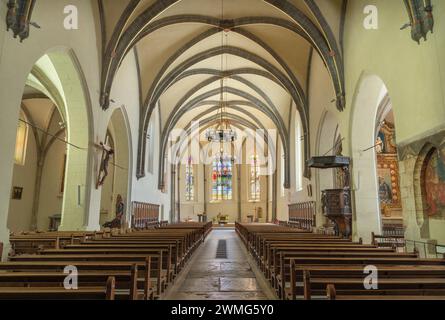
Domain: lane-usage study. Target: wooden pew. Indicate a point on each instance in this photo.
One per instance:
(297, 265)
(129, 276)
(32, 242)
(271, 255)
(153, 255)
(175, 253)
(157, 270)
(126, 281)
(106, 292)
(354, 289)
(279, 268)
(331, 294)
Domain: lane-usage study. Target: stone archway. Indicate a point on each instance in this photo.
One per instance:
(39, 164)
(368, 95)
(65, 71)
(422, 220)
(119, 180)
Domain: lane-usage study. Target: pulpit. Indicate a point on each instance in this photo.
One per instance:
(336, 203)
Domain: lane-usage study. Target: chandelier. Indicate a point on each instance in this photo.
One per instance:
(223, 133)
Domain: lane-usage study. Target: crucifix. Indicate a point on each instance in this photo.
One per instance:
(107, 154)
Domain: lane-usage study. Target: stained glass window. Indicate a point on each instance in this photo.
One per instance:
(189, 181)
(151, 141)
(222, 171)
(255, 188)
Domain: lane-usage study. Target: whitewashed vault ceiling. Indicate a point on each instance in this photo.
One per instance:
(260, 48)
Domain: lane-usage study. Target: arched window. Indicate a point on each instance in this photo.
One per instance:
(282, 170)
(151, 144)
(298, 155)
(189, 181)
(21, 141)
(222, 178)
(255, 187)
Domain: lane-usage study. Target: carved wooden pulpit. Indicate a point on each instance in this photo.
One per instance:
(336, 203)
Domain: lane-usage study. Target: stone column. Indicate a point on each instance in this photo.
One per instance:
(411, 219)
(173, 217)
(238, 179)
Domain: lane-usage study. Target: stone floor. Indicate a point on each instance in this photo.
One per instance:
(208, 278)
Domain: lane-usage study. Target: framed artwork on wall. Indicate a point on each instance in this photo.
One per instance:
(17, 193)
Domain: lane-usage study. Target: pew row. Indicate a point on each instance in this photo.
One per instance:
(142, 263)
(302, 265)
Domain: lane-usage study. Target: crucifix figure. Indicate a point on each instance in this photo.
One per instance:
(107, 154)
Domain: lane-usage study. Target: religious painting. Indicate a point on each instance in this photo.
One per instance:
(17, 193)
(386, 139)
(388, 181)
(434, 184)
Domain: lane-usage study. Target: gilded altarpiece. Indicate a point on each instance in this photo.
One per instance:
(388, 173)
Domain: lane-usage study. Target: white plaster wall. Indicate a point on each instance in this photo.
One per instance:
(320, 100)
(125, 92)
(50, 197)
(19, 218)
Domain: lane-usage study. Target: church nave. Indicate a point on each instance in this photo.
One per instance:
(222, 150)
(211, 278)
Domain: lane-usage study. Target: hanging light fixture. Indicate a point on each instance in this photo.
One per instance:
(223, 132)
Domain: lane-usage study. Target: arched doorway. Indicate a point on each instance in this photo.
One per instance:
(388, 170)
(116, 187)
(63, 67)
(52, 148)
(39, 164)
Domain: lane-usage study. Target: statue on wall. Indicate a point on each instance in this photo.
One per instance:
(386, 139)
(18, 17)
(379, 145)
(117, 222)
(420, 14)
(107, 154)
(120, 206)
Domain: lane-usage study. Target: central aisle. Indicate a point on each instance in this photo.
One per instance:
(208, 277)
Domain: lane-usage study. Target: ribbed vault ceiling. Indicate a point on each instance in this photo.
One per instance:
(261, 48)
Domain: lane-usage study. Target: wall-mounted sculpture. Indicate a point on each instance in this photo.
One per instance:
(18, 18)
(421, 18)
